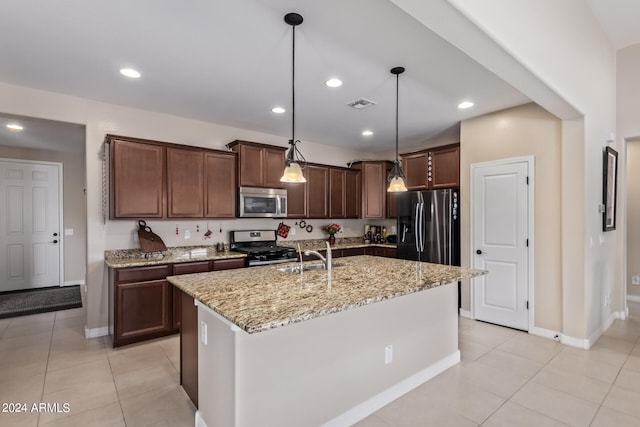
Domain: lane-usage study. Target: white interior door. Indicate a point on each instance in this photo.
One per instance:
(29, 225)
(500, 212)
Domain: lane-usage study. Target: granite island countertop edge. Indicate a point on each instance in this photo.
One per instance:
(258, 299)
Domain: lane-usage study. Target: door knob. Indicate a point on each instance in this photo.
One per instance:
(55, 234)
(479, 252)
(55, 241)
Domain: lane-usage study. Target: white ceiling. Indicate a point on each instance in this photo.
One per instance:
(229, 62)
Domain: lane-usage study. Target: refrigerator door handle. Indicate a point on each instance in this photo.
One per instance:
(422, 227)
(416, 227)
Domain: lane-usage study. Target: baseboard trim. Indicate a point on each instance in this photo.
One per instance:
(96, 332)
(635, 298)
(369, 406)
(465, 313)
(575, 342)
(199, 421)
(545, 333)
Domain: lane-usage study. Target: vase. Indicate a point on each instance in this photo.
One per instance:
(332, 239)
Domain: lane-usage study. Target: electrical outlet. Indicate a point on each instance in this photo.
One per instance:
(203, 332)
(388, 354)
(187, 234)
(135, 236)
(635, 280)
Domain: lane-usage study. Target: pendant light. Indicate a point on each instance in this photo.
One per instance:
(294, 159)
(396, 177)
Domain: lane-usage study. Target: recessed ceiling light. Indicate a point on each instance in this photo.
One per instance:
(333, 82)
(367, 133)
(278, 110)
(465, 104)
(130, 72)
(14, 126)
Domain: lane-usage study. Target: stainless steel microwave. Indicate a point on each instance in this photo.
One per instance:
(254, 202)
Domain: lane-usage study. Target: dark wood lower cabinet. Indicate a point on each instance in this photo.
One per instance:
(189, 347)
(144, 305)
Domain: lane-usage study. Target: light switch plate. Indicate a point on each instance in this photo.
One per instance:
(635, 280)
(68, 231)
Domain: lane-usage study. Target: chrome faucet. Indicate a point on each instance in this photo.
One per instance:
(326, 261)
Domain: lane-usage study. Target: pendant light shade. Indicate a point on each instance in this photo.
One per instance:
(295, 161)
(396, 177)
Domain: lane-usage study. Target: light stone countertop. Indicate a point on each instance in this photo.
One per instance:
(123, 258)
(257, 299)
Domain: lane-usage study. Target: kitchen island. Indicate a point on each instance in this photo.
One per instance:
(280, 348)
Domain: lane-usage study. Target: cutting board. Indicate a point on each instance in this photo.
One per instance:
(149, 241)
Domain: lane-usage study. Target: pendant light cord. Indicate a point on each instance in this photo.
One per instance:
(293, 86)
(397, 96)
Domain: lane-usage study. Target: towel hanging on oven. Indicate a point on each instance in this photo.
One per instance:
(283, 230)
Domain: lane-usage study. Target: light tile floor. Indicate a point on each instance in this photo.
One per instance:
(506, 378)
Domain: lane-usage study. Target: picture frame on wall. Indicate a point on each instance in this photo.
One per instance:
(609, 188)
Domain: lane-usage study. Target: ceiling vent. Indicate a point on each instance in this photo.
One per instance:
(361, 103)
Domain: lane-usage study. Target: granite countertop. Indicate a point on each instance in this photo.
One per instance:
(341, 243)
(135, 258)
(257, 299)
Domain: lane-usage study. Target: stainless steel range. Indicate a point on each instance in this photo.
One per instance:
(261, 247)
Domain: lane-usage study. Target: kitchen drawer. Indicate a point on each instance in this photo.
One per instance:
(353, 251)
(142, 274)
(191, 267)
(228, 264)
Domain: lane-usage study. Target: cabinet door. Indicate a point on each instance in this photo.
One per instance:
(251, 166)
(415, 169)
(353, 251)
(337, 193)
(374, 190)
(352, 194)
(143, 311)
(445, 167)
(189, 347)
(185, 183)
(273, 167)
(219, 185)
(297, 198)
(229, 264)
(137, 180)
(392, 205)
(317, 191)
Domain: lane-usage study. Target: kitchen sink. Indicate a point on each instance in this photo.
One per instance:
(307, 267)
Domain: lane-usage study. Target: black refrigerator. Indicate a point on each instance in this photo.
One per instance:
(429, 226)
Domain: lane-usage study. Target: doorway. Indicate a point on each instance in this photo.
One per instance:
(502, 241)
(30, 224)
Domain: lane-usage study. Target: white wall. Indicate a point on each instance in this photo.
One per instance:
(527, 130)
(557, 55)
(628, 94)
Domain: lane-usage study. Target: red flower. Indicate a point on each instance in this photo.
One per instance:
(332, 228)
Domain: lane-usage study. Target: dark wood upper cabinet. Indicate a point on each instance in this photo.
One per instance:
(153, 179)
(137, 178)
(296, 199)
(317, 191)
(219, 185)
(337, 193)
(352, 194)
(344, 193)
(434, 168)
(259, 165)
(185, 183)
(415, 169)
(374, 188)
(445, 167)
(273, 167)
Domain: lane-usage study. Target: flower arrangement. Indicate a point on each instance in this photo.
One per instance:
(332, 229)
